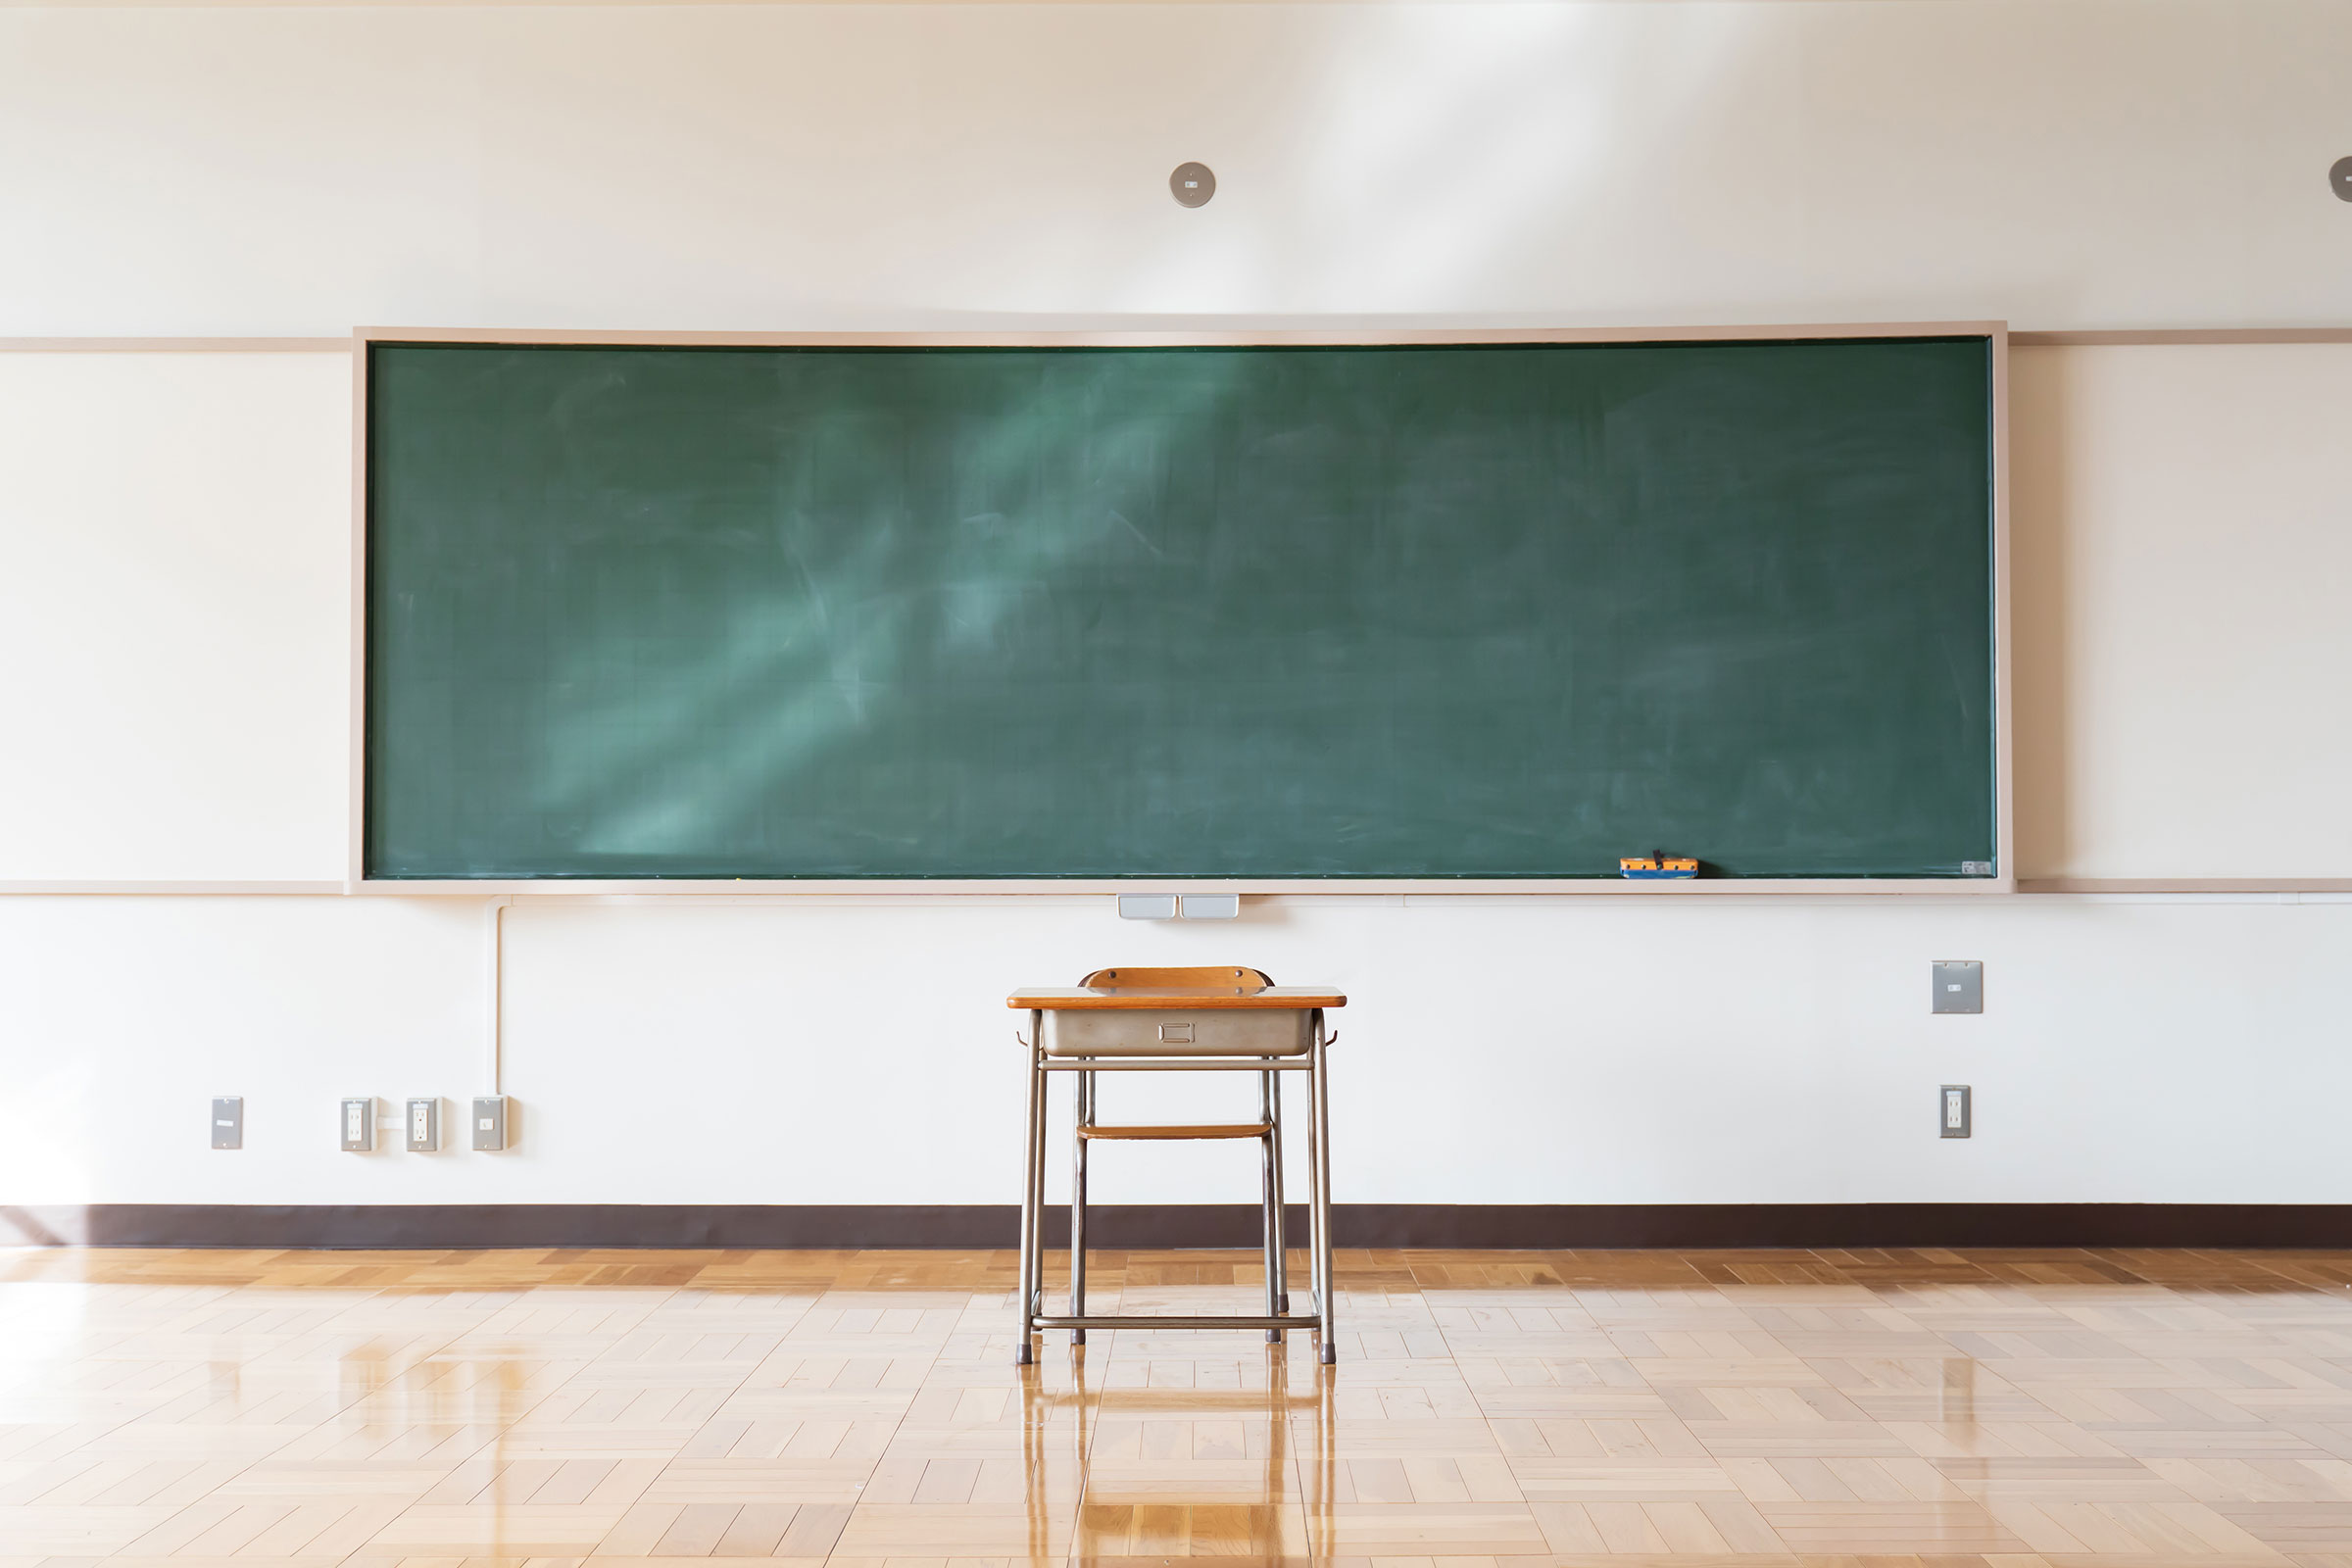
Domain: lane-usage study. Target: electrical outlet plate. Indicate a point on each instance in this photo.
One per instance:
(424, 1126)
(489, 1123)
(1959, 985)
(1955, 1115)
(358, 1125)
(228, 1121)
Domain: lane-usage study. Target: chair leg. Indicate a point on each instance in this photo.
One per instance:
(1032, 1156)
(1321, 1079)
(1085, 1115)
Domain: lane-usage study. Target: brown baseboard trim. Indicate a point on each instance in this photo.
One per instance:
(1540, 1226)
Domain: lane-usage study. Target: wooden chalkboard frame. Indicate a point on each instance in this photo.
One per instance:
(2004, 881)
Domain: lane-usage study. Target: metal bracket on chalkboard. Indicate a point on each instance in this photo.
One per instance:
(1180, 905)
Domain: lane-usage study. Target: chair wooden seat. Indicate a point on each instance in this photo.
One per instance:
(1194, 978)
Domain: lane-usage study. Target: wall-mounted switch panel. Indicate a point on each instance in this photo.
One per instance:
(358, 1125)
(424, 1126)
(1959, 985)
(228, 1121)
(489, 1123)
(1955, 1111)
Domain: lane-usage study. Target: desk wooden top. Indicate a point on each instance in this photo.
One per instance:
(1172, 999)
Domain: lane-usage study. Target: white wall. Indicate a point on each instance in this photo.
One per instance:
(2183, 552)
(1624, 1051)
(172, 571)
(174, 616)
(304, 169)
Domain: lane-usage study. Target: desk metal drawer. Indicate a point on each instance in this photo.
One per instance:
(1216, 1032)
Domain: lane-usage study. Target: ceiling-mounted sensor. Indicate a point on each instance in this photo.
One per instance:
(1192, 185)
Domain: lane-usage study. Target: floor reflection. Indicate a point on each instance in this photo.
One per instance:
(1173, 1468)
(1913, 1410)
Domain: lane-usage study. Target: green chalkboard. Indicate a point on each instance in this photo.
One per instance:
(1440, 611)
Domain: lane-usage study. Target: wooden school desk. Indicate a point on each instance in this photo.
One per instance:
(1246, 1026)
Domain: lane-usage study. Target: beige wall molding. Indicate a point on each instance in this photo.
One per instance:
(732, 893)
(2122, 337)
(2185, 884)
(174, 345)
(167, 888)
(2180, 337)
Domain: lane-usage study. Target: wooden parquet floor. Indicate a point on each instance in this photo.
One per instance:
(1923, 1408)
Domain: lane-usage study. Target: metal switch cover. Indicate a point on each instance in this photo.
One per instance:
(489, 1123)
(1959, 985)
(228, 1122)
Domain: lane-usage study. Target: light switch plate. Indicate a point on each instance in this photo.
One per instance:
(358, 1125)
(424, 1126)
(1959, 985)
(1955, 1116)
(489, 1123)
(228, 1121)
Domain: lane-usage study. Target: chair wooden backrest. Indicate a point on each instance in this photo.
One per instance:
(1206, 977)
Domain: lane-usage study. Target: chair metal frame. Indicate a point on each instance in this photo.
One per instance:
(1278, 1319)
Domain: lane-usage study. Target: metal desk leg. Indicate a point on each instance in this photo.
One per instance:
(1315, 1202)
(1282, 1238)
(1032, 1152)
(1319, 1081)
(1084, 1118)
(1270, 1217)
(1037, 1198)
